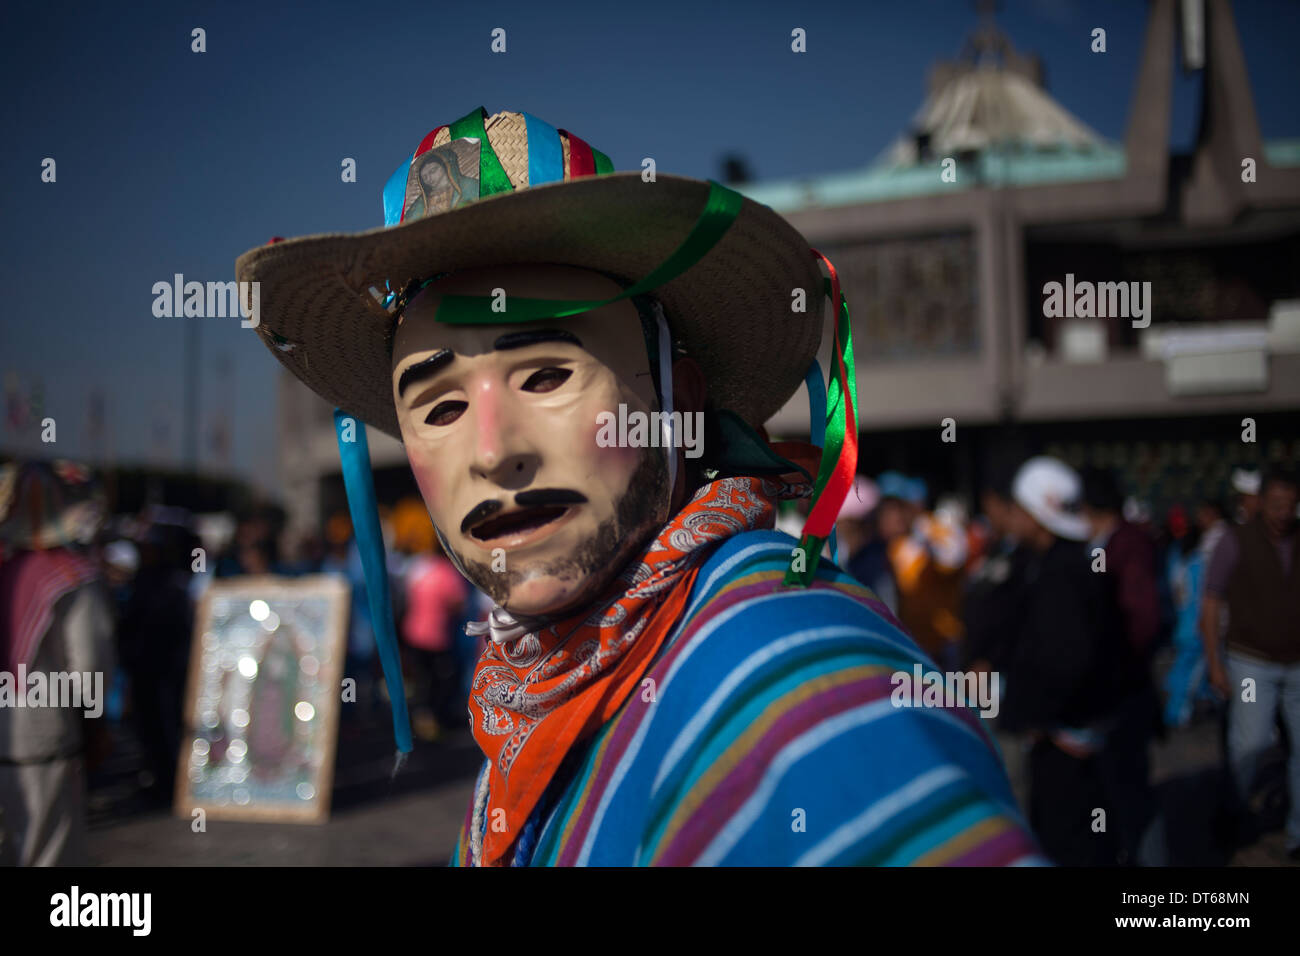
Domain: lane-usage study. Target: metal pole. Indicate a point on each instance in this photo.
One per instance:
(191, 426)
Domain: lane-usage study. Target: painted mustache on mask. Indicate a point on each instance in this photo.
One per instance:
(534, 498)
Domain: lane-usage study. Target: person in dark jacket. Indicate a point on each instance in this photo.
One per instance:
(991, 614)
(154, 635)
(1061, 680)
(989, 606)
(1128, 556)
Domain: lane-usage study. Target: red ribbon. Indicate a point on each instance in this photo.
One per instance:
(581, 161)
(827, 508)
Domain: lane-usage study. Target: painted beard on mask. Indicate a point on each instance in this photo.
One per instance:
(639, 514)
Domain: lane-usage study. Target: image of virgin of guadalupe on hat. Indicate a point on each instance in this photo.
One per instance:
(667, 680)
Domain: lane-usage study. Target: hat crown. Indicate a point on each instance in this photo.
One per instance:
(480, 155)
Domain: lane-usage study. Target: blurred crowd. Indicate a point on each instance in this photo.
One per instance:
(1106, 630)
(82, 590)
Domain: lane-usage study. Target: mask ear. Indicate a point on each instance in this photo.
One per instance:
(660, 349)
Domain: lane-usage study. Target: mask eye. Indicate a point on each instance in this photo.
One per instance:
(444, 413)
(546, 379)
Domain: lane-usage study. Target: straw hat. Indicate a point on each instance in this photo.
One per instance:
(523, 192)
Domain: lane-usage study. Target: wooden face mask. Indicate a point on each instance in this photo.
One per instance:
(501, 426)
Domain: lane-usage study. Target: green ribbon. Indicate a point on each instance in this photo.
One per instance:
(720, 211)
(842, 383)
(492, 175)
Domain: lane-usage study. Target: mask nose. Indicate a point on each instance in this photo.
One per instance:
(505, 452)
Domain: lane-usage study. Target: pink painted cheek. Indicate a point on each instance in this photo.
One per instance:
(426, 480)
(614, 458)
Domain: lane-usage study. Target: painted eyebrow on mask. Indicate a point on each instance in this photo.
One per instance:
(426, 369)
(519, 340)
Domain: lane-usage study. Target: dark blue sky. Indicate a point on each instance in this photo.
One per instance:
(171, 161)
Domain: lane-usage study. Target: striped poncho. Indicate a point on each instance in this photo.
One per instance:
(769, 738)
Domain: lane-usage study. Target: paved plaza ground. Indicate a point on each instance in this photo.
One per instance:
(412, 820)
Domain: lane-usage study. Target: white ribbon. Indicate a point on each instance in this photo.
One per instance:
(501, 627)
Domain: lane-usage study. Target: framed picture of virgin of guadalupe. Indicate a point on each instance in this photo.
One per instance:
(261, 713)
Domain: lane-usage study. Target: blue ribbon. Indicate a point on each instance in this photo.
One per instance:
(545, 154)
(817, 423)
(395, 194)
(354, 454)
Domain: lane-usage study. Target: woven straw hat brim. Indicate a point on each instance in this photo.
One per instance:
(732, 310)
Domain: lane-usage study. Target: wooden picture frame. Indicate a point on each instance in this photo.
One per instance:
(260, 724)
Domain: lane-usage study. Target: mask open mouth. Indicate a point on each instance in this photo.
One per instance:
(514, 523)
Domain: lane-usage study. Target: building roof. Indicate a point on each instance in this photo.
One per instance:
(989, 107)
(987, 168)
(986, 110)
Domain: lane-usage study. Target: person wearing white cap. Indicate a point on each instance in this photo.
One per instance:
(1050, 492)
(1060, 681)
(1245, 484)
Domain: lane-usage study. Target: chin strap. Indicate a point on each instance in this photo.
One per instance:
(666, 386)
